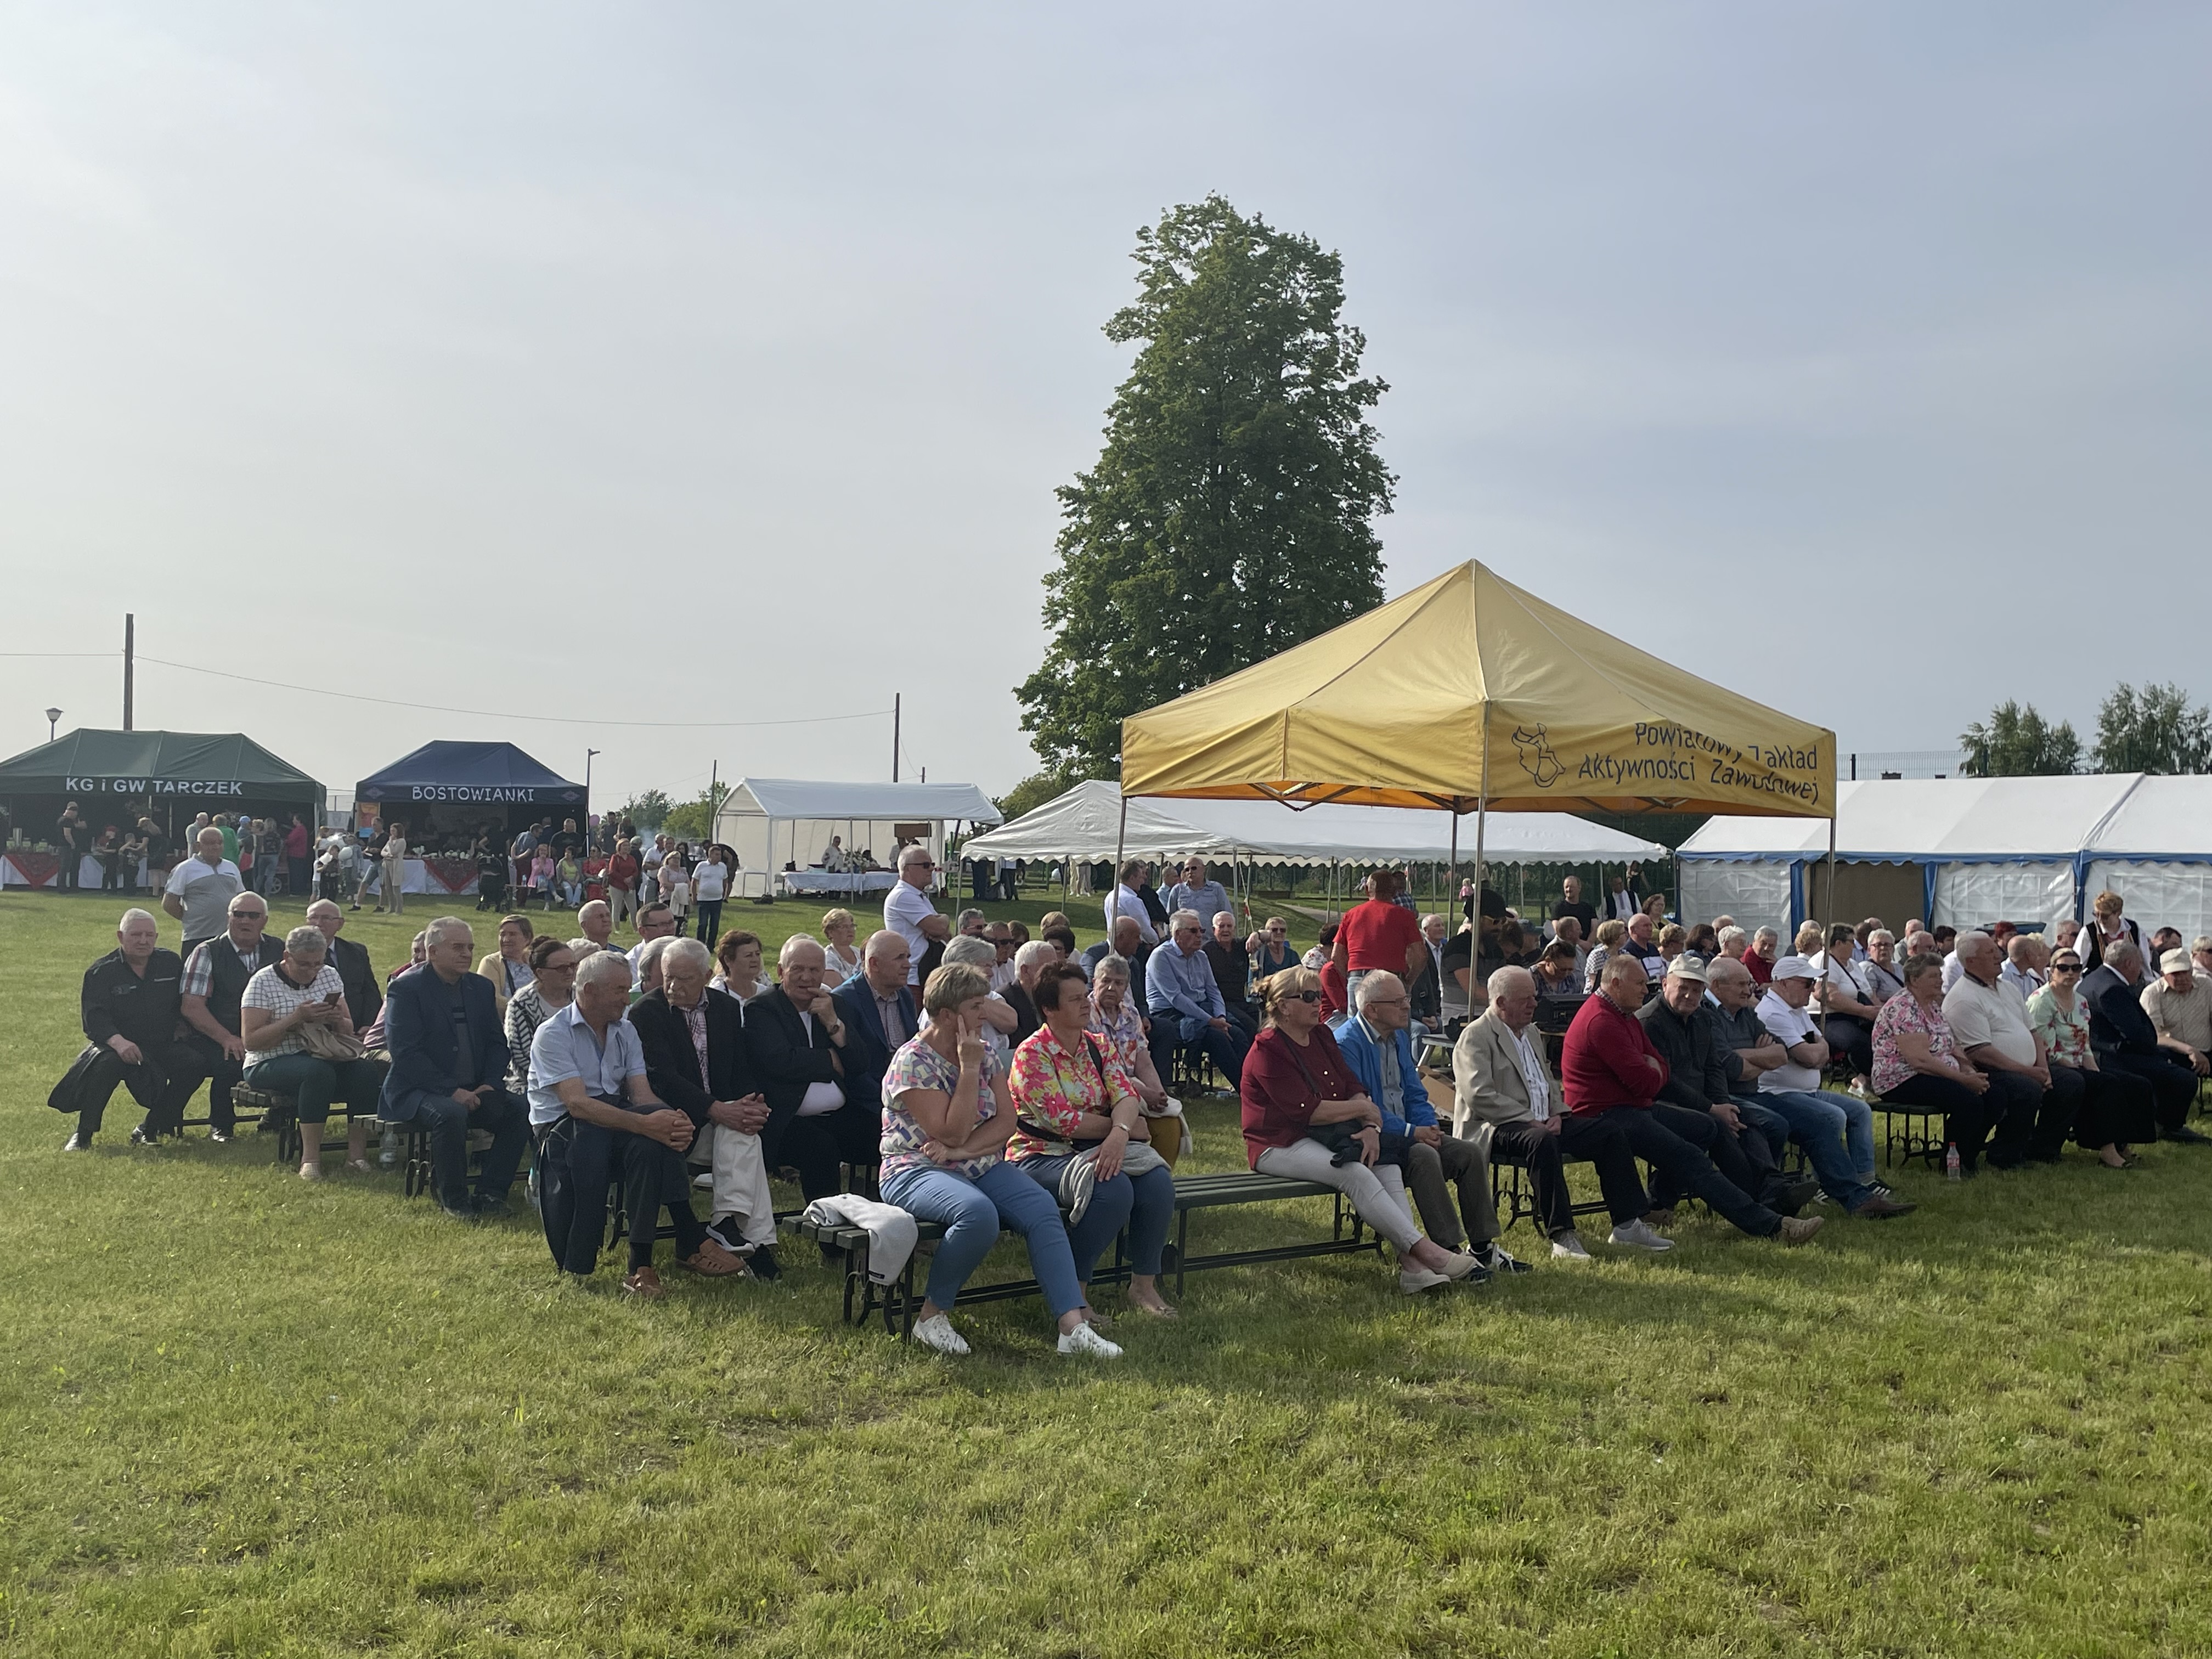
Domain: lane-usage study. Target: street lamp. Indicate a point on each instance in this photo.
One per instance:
(588, 753)
(53, 719)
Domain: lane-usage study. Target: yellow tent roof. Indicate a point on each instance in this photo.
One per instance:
(1470, 688)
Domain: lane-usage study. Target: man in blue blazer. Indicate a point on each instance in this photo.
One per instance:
(876, 994)
(1377, 1045)
(449, 1061)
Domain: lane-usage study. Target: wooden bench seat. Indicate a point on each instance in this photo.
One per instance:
(898, 1302)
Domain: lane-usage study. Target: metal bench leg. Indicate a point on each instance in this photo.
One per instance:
(1182, 1251)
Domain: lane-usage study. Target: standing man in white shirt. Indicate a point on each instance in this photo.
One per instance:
(1123, 902)
(200, 890)
(908, 911)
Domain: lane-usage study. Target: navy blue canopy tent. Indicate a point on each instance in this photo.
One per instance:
(448, 790)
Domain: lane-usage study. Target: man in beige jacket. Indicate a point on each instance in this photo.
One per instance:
(1506, 1097)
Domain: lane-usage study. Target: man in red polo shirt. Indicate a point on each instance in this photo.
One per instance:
(1380, 935)
(1611, 1073)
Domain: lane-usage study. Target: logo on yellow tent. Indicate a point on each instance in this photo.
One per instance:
(1537, 759)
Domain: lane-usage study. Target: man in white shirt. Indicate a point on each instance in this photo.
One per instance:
(200, 890)
(2022, 974)
(908, 911)
(1783, 1012)
(2026, 1119)
(1123, 902)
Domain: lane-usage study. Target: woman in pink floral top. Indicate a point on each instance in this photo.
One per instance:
(1916, 1063)
(1070, 1095)
(947, 1116)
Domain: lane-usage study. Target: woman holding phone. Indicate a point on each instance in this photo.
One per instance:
(281, 1003)
(947, 1117)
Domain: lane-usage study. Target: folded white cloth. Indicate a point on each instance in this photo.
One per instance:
(892, 1232)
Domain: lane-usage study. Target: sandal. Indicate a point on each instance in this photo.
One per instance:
(360, 1166)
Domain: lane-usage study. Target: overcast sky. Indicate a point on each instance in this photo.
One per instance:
(717, 364)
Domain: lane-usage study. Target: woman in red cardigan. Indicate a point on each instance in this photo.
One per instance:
(1296, 1082)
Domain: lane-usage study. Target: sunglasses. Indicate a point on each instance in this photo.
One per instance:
(2066, 968)
(1303, 996)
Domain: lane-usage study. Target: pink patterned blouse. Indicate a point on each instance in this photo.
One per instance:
(1903, 1012)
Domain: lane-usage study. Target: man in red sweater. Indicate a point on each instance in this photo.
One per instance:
(1379, 934)
(1610, 1071)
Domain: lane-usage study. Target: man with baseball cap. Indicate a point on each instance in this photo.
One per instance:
(2180, 1007)
(1748, 1137)
(1836, 1131)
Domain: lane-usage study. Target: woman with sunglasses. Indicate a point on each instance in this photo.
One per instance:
(2111, 1109)
(1271, 949)
(1296, 1087)
(552, 982)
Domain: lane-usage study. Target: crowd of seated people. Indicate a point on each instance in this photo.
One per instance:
(1020, 1083)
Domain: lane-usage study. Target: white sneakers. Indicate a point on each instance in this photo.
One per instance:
(1639, 1234)
(1568, 1246)
(1083, 1340)
(936, 1332)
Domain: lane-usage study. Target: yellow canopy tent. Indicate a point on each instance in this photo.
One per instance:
(1470, 694)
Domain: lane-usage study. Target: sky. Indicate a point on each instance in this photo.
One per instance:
(604, 372)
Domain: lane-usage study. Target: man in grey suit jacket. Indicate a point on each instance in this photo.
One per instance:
(1506, 1096)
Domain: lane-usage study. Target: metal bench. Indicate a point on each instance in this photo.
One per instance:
(898, 1302)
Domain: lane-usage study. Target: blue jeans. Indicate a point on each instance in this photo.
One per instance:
(317, 1083)
(1144, 1204)
(1819, 1124)
(449, 1122)
(972, 1211)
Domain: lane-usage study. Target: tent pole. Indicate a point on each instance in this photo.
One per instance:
(1831, 868)
(1120, 837)
(1453, 868)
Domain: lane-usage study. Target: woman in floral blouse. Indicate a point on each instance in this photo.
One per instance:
(947, 1117)
(1071, 1094)
(2115, 1109)
(1916, 1063)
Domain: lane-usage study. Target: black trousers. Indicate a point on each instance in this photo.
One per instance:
(1541, 1154)
(2113, 1108)
(1742, 1156)
(1853, 1039)
(1966, 1114)
(1668, 1138)
(223, 1073)
(2172, 1085)
(710, 922)
(162, 1082)
(2017, 1109)
(581, 1162)
(69, 875)
(816, 1146)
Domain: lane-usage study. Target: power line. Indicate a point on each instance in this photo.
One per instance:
(501, 714)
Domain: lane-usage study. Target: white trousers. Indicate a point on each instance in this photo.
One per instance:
(1379, 1193)
(743, 1207)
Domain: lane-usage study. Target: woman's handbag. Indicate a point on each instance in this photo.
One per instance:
(1342, 1140)
(328, 1042)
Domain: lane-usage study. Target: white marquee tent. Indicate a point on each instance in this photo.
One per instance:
(1984, 849)
(770, 821)
(1083, 824)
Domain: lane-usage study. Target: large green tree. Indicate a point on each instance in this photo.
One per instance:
(1230, 514)
(2019, 742)
(2156, 729)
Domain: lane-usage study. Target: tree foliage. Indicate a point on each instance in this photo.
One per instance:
(2155, 729)
(694, 819)
(1229, 515)
(2017, 742)
(1033, 792)
(648, 812)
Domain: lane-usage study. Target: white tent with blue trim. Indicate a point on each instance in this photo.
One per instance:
(2024, 850)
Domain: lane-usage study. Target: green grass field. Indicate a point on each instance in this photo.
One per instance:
(244, 1415)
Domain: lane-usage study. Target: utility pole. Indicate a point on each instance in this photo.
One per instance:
(588, 753)
(714, 795)
(129, 662)
(895, 735)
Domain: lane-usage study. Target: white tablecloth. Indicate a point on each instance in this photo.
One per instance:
(848, 884)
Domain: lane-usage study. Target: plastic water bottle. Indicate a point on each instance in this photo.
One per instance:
(1951, 1161)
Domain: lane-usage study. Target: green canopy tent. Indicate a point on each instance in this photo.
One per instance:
(169, 776)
